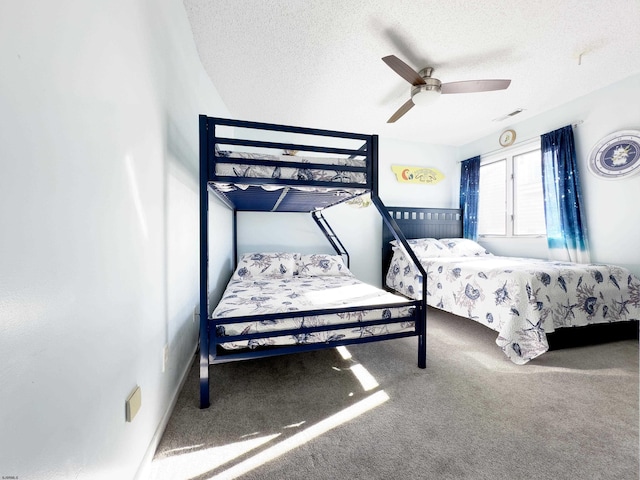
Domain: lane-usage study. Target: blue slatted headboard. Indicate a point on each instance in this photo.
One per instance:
(420, 223)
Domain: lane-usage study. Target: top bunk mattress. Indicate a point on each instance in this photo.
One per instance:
(289, 166)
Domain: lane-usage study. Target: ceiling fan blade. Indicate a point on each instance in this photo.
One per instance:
(471, 86)
(404, 70)
(408, 105)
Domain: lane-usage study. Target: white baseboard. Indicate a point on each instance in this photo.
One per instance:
(144, 470)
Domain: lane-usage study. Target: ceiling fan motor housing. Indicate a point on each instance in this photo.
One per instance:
(430, 85)
(422, 94)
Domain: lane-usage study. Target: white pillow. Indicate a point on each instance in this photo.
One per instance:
(425, 247)
(321, 264)
(255, 265)
(464, 247)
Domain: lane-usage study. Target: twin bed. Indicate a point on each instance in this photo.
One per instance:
(286, 302)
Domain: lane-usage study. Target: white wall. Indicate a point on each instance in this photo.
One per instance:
(611, 206)
(444, 158)
(98, 207)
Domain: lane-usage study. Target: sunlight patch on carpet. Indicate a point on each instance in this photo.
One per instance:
(304, 436)
(364, 377)
(193, 464)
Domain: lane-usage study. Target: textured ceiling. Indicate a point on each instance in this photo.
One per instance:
(317, 63)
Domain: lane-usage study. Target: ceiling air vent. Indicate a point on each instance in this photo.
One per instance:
(509, 115)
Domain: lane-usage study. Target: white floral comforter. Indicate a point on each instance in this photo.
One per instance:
(275, 171)
(522, 299)
(299, 293)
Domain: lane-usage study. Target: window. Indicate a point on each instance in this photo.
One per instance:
(511, 202)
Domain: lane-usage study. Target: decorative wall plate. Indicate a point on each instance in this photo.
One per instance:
(507, 138)
(616, 155)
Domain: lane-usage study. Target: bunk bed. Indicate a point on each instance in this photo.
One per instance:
(527, 301)
(286, 302)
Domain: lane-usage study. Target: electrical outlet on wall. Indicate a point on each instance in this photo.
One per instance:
(165, 358)
(133, 404)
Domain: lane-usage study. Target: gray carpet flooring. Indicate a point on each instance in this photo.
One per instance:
(471, 414)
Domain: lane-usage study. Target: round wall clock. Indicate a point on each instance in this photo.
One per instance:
(616, 155)
(507, 137)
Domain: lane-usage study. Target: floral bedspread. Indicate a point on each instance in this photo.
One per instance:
(299, 293)
(275, 171)
(521, 299)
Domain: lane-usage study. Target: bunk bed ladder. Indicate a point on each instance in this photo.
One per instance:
(329, 233)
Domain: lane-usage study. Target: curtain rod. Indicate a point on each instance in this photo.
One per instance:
(521, 142)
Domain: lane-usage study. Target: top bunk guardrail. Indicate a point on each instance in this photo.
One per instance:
(268, 167)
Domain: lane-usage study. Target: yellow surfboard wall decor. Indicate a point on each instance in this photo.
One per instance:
(425, 176)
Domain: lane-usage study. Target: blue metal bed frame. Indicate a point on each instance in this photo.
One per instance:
(255, 198)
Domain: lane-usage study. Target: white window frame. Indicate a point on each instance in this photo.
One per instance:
(507, 155)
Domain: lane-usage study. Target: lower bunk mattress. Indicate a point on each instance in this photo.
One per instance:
(295, 295)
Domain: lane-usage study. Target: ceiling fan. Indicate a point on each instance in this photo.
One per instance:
(426, 89)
